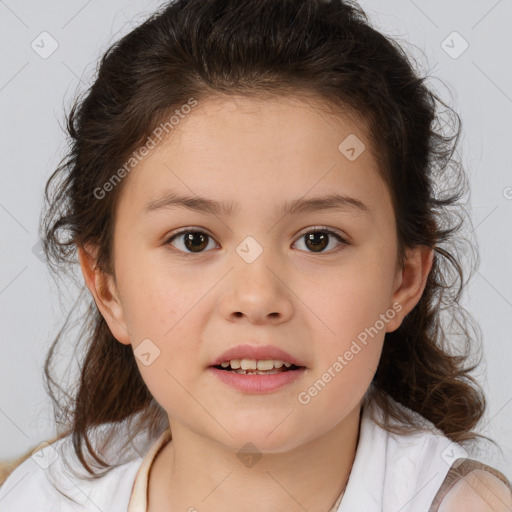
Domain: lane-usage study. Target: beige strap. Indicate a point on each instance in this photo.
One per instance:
(459, 469)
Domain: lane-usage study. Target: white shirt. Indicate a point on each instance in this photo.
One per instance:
(390, 473)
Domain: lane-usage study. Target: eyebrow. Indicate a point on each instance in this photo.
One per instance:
(229, 208)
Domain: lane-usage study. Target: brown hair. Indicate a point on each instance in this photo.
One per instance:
(259, 48)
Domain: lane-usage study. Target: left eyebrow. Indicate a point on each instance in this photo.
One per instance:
(199, 204)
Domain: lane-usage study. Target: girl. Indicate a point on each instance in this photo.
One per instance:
(254, 191)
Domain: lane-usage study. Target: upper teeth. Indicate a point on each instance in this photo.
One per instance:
(253, 364)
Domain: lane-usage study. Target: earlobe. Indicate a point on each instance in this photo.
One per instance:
(412, 279)
(105, 294)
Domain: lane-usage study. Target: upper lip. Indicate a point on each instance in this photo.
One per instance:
(260, 353)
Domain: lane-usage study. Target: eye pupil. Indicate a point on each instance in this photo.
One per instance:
(191, 239)
(319, 240)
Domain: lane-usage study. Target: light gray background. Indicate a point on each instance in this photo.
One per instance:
(34, 90)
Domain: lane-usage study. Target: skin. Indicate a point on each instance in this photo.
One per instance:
(257, 153)
(478, 491)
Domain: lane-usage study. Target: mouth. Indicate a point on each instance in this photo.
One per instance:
(257, 367)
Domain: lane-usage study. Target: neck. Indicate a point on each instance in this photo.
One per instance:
(193, 472)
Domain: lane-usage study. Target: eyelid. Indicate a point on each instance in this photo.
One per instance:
(187, 229)
(310, 229)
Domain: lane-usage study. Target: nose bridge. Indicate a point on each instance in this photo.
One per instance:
(256, 289)
(256, 264)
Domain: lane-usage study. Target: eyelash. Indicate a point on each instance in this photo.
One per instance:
(317, 229)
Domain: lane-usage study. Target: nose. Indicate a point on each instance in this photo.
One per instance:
(257, 292)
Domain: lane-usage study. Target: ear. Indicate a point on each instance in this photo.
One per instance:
(410, 282)
(103, 289)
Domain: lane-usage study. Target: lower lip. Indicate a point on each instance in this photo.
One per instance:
(257, 383)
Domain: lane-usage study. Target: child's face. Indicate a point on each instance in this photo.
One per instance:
(317, 306)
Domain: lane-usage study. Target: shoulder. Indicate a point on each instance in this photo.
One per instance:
(478, 491)
(26, 487)
(441, 477)
(46, 482)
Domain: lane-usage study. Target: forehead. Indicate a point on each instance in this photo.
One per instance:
(280, 119)
(275, 150)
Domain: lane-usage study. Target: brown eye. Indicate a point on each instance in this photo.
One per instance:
(317, 240)
(192, 241)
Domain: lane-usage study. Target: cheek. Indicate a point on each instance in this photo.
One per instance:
(165, 332)
(344, 369)
(354, 309)
(348, 300)
(173, 364)
(167, 387)
(158, 302)
(337, 388)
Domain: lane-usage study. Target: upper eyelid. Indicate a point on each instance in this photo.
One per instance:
(301, 232)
